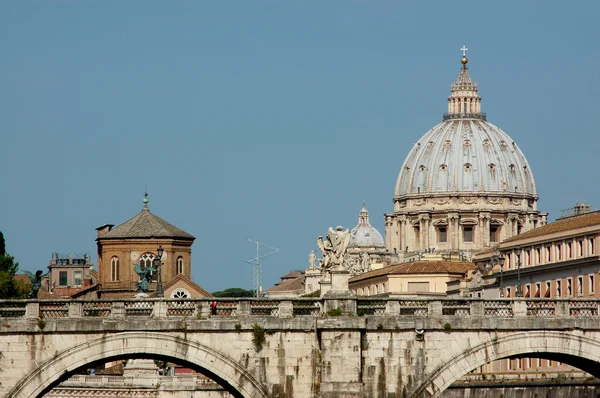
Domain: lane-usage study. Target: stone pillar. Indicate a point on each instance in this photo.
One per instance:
(519, 307)
(160, 309)
(434, 308)
(325, 284)
(388, 233)
(341, 364)
(243, 308)
(339, 282)
(32, 310)
(403, 243)
(286, 309)
(75, 309)
(311, 280)
(484, 226)
(117, 310)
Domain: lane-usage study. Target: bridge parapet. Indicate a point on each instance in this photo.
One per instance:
(303, 307)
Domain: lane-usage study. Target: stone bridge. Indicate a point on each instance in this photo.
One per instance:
(322, 347)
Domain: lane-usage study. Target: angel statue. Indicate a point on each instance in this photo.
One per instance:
(312, 260)
(145, 277)
(36, 282)
(334, 248)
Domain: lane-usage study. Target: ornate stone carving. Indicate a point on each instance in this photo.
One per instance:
(468, 200)
(334, 248)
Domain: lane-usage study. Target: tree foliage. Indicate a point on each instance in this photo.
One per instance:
(234, 292)
(9, 288)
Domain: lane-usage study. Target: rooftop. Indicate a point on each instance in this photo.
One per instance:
(418, 267)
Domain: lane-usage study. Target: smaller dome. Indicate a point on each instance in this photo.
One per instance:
(365, 235)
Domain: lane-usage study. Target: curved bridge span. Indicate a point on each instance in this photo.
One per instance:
(266, 348)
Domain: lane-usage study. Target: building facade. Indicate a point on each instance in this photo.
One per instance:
(136, 241)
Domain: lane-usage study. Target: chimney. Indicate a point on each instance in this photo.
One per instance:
(104, 229)
(581, 208)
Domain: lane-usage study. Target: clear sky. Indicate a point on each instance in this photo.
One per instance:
(270, 120)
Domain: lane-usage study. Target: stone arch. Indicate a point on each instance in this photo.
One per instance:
(571, 347)
(132, 344)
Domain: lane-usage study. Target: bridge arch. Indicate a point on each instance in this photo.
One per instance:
(571, 347)
(139, 344)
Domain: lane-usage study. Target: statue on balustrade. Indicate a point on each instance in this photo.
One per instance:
(145, 277)
(334, 249)
(36, 282)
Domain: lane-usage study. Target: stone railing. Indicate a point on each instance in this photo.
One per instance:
(143, 380)
(287, 308)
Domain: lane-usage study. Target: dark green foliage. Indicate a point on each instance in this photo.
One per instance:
(335, 312)
(447, 326)
(316, 293)
(234, 292)
(258, 336)
(9, 288)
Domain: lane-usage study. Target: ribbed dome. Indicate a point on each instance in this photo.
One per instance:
(464, 154)
(365, 235)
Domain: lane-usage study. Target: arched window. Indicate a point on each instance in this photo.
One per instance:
(114, 269)
(146, 261)
(179, 265)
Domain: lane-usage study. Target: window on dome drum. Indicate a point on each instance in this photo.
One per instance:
(114, 269)
(494, 233)
(77, 278)
(146, 261)
(442, 233)
(62, 278)
(179, 265)
(467, 234)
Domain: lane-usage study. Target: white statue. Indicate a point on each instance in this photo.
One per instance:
(312, 260)
(334, 248)
(365, 261)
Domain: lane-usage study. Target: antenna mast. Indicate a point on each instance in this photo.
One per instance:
(257, 267)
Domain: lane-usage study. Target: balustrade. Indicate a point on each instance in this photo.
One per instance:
(290, 307)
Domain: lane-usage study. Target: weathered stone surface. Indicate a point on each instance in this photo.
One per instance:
(302, 355)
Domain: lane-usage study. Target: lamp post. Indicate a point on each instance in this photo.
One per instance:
(519, 292)
(158, 266)
(500, 261)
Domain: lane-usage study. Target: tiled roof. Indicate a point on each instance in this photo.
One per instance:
(290, 285)
(146, 225)
(292, 275)
(179, 277)
(563, 224)
(418, 267)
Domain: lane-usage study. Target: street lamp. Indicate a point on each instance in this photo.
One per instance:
(519, 292)
(158, 266)
(500, 261)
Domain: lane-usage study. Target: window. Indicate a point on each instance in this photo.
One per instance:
(508, 292)
(580, 285)
(418, 287)
(493, 234)
(115, 274)
(591, 284)
(592, 246)
(146, 261)
(443, 235)
(77, 278)
(468, 234)
(547, 291)
(538, 290)
(179, 265)
(558, 292)
(569, 287)
(62, 278)
(538, 253)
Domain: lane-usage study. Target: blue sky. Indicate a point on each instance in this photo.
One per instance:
(270, 120)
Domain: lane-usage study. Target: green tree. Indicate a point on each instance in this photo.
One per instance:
(234, 292)
(9, 288)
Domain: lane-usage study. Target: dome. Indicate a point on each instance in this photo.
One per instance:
(365, 235)
(465, 153)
